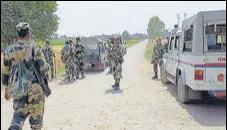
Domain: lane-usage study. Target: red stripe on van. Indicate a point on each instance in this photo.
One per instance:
(221, 95)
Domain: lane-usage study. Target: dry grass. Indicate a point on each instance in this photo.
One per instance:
(59, 64)
(149, 50)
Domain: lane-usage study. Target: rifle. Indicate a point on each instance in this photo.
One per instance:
(55, 68)
(42, 81)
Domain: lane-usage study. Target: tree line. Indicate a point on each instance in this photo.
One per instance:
(156, 28)
(39, 14)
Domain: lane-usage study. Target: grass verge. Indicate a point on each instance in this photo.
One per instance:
(132, 42)
(149, 50)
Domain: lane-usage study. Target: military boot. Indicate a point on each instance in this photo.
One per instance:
(77, 76)
(73, 78)
(67, 79)
(117, 86)
(155, 76)
(82, 75)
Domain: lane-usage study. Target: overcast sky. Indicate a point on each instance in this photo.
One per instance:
(106, 17)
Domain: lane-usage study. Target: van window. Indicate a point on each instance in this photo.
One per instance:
(216, 41)
(188, 40)
(177, 42)
(171, 43)
(167, 44)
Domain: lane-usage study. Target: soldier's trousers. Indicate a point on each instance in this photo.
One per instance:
(51, 69)
(117, 72)
(110, 64)
(32, 106)
(155, 66)
(70, 70)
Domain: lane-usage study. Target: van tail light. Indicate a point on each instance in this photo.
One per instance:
(199, 74)
(220, 77)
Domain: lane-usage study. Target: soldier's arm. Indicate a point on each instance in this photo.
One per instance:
(52, 52)
(153, 54)
(40, 60)
(5, 70)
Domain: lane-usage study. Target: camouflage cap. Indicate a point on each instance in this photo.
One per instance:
(23, 26)
(47, 42)
(70, 41)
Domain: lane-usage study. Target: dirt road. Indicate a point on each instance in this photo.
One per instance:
(143, 104)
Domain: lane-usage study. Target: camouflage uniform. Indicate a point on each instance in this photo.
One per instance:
(117, 58)
(68, 60)
(109, 57)
(75, 69)
(31, 102)
(156, 58)
(79, 56)
(48, 52)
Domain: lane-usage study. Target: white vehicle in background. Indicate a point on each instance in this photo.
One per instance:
(195, 59)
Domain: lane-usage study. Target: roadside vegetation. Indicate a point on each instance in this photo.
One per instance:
(132, 42)
(149, 49)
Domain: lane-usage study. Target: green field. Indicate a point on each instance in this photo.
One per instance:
(149, 50)
(132, 42)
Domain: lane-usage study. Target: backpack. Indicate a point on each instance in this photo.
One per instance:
(21, 78)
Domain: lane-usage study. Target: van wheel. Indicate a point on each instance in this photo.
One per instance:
(183, 91)
(164, 79)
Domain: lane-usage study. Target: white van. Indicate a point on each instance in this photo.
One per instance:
(196, 56)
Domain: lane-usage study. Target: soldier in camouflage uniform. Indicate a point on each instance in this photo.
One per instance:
(49, 54)
(117, 58)
(68, 60)
(21, 82)
(109, 55)
(158, 52)
(80, 55)
(75, 68)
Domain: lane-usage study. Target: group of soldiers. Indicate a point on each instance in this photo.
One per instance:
(25, 73)
(72, 56)
(115, 60)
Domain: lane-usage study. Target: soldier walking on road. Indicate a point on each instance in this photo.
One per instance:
(49, 54)
(117, 58)
(67, 58)
(80, 56)
(22, 62)
(109, 48)
(75, 69)
(158, 52)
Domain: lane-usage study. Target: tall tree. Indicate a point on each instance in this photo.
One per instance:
(126, 35)
(39, 14)
(155, 27)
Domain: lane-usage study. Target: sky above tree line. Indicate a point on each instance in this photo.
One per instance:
(86, 18)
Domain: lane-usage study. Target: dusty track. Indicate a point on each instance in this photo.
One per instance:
(143, 104)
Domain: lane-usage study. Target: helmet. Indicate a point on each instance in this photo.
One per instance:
(77, 38)
(23, 26)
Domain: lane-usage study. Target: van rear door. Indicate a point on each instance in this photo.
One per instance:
(215, 55)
